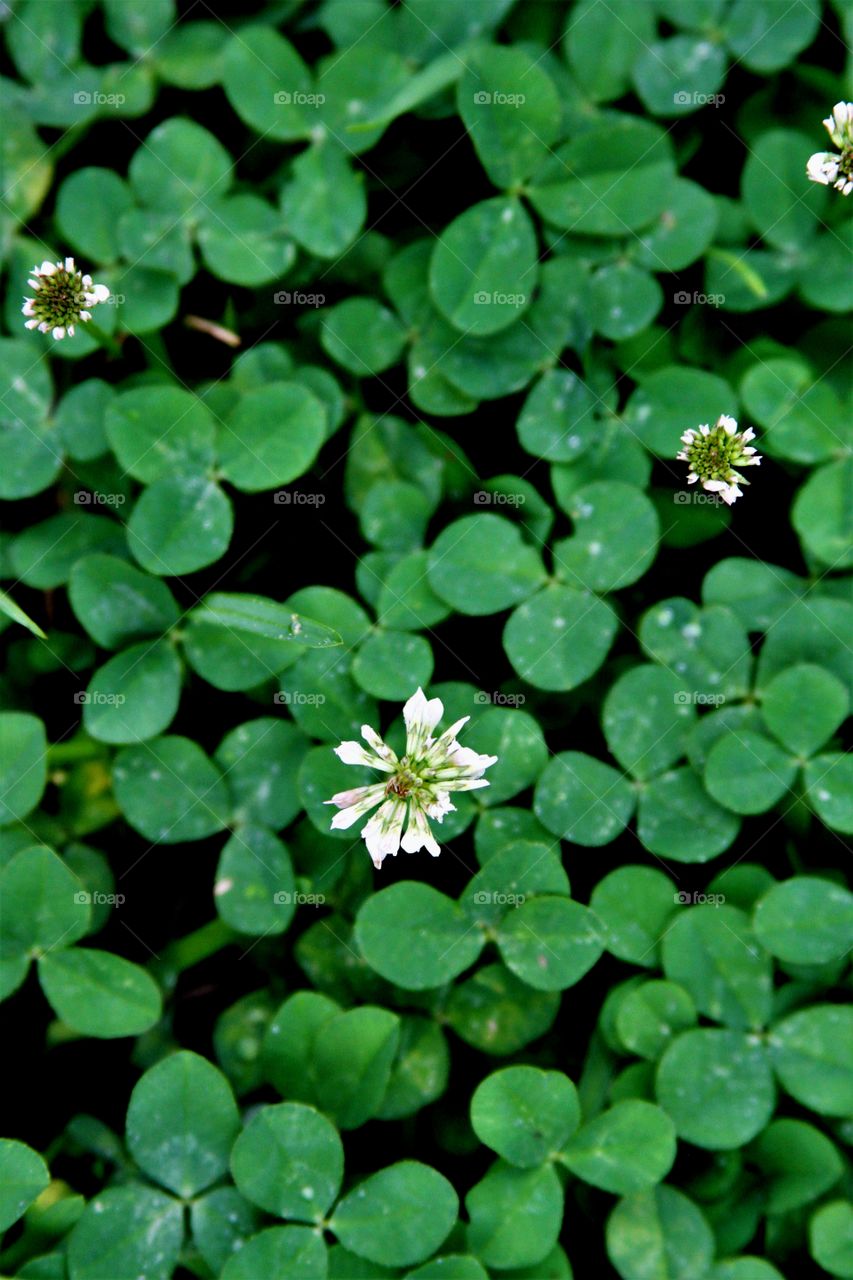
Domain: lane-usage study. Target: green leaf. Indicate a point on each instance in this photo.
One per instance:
(415, 936)
(126, 1232)
(766, 38)
(550, 943)
(181, 1122)
(496, 1013)
(659, 1234)
(747, 773)
(88, 207)
(615, 538)
(809, 632)
(118, 603)
(560, 637)
(651, 1014)
(624, 300)
(671, 399)
(323, 202)
(517, 740)
(260, 616)
(481, 564)
(351, 1062)
(805, 920)
(398, 1216)
(135, 695)
(798, 1162)
(525, 1114)
(32, 456)
(10, 610)
(785, 212)
(260, 760)
(296, 1252)
(708, 648)
(803, 706)
(579, 798)
(136, 30)
(677, 819)
(287, 1047)
(602, 47)
(44, 555)
(169, 790)
(517, 871)
(459, 1265)
(99, 994)
(390, 664)
(821, 514)
(362, 336)
(155, 431)
(711, 952)
(634, 905)
(268, 84)
(420, 1070)
(180, 166)
(242, 241)
(628, 1148)
(514, 1215)
(406, 600)
(255, 889)
(43, 904)
(679, 75)
(682, 231)
(181, 523)
(811, 1054)
(511, 110)
(557, 420)
(831, 1238)
(289, 1160)
(484, 269)
(717, 1086)
(829, 790)
(645, 721)
(23, 1177)
(23, 764)
(271, 437)
(222, 1222)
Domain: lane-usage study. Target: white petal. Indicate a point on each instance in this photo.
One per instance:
(714, 486)
(728, 424)
(382, 832)
(31, 324)
(470, 761)
(692, 478)
(421, 715)
(59, 332)
(354, 753)
(27, 308)
(98, 293)
(440, 806)
(34, 284)
(706, 430)
(47, 268)
(44, 327)
(69, 265)
(749, 434)
(85, 315)
(418, 834)
(380, 748)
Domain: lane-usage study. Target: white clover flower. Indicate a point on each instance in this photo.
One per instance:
(62, 298)
(416, 788)
(828, 167)
(715, 453)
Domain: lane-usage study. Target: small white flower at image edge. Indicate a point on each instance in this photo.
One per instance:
(830, 168)
(61, 299)
(415, 788)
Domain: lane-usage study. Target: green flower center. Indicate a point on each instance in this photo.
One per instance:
(59, 298)
(715, 456)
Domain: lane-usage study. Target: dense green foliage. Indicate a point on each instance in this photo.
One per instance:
(410, 306)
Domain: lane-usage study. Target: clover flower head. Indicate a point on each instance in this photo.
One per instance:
(714, 455)
(415, 788)
(835, 169)
(62, 296)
